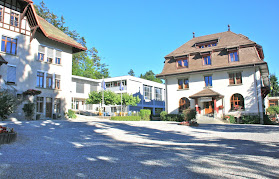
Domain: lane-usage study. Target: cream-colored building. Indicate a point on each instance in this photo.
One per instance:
(38, 56)
(217, 74)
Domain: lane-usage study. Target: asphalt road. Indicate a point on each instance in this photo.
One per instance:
(105, 149)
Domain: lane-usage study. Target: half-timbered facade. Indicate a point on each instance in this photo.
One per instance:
(217, 74)
(35, 55)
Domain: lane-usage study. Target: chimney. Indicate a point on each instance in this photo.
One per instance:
(229, 27)
(193, 34)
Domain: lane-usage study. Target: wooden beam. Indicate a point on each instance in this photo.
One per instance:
(24, 12)
(33, 33)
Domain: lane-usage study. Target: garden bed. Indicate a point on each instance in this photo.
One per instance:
(6, 138)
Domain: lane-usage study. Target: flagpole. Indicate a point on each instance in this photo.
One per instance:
(121, 95)
(103, 88)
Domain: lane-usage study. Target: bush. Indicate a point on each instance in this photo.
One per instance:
(189, 114)
(163, 115)
(71, 114)
(125, 118)
(250, 119)
(231, 119)
(174, 117)
(8, 103)
(273, 110)
(29, 110)
(145, 114)
(267, 120)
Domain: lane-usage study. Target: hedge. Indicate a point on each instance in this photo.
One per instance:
(172, 117)
(145, 114)
(125, 118)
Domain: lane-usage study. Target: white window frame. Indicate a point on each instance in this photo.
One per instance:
(149, 96)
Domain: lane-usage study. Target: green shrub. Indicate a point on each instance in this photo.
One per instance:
(29, 110)
(189, 114)
(163, 115)
(174, 117)
(8, 103)
(71, 114)
(125, 118)
(273, 110)
(250, 119)
(231, 119)
(267, 120)
(145, 114)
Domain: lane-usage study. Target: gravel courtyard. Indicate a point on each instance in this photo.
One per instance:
(155, 149)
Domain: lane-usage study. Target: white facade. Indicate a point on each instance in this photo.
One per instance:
(21, 72)
(131, 85)
(251, 81)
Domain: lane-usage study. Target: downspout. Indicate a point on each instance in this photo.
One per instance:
(256, 87)
(166, 95)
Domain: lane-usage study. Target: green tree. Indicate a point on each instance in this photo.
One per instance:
(274, 87)
(149, 75)
(131, 72)
(8, 103)
(86, 63)
(110, 98)
(128, 99)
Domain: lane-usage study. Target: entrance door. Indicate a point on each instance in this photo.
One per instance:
(208, 107)
(48, 107)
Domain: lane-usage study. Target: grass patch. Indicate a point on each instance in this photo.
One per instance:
(125, 118)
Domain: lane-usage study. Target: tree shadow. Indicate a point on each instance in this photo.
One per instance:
(133, 150)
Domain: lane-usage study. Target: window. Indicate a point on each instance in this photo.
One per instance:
(208, 80)
(40, 79)
(79, 87)
(158, 94)
(184, 103)
(233, 56)
(11, 74)
(147, 92)
(14, 19)
(1, 14)
(8, 45)
(41, 53)
(108, 85)
(58, 57)
(40, 104)
(183, 83)
(237, 102)
(235, 78)
(57, 81)
(57, 105)
(50, 55)
(49, 81)
(182, 63)
(273, 102)
(207, 60)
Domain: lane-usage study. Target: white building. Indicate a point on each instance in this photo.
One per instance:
(151, 93)
(38, 56)
(216, 74)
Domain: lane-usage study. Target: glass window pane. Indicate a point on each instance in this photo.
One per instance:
(206, 80)
(235, 56)
(208, 60)
(3, 46)
(8, 48)
(185, 63)
(13, 48)
(231, 57)
(210, 80)
(179, 63)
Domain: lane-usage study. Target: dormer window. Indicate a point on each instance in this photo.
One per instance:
(207, 60)
(14, 19)
(233, 56)
(205, 44)
(182, 63)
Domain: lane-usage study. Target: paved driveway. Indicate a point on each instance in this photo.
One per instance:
(104, 149)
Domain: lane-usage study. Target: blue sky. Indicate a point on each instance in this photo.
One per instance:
(134, 34)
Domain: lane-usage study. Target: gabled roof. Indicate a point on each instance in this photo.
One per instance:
(49, 31)
(226, 39)
(2, 60)
(53, 33)
(207, 92)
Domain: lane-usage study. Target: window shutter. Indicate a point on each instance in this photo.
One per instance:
(231, 80)
(58, 54)
(238, 78)
(41, 49)
(11, 74)
(50, 52)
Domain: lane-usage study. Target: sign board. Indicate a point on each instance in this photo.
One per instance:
(205, 99)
